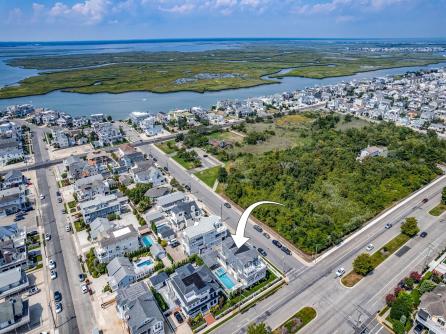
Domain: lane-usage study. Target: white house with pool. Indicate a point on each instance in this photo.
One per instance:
(235, 267)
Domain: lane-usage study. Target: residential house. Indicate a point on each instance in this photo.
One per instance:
(152, 175)
(10, 150)
(102, 206)
(13, 281)
(194, 288)
(129, 155)
(432, 310)
(99, 227)
(138, 116)
(206, 233)
(243, 263)
(117, 243)
(12, 247)
(13, 178)
(159, 280)
(122, 272)
(156, 192)
(184, 214)
(372, 151)
(137, 307)
(14, 313)
(12, 200)
(107, 133)
(150, 127)
(165, 232)
(78, 168)
(167, 202)
(62, 138)
(89, 187)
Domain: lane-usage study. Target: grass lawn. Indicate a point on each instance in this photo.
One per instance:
(378, 257)
(208, 176)
(80, 225)
(226, 136)
(293, 120)
(297, 321)
(438, 210)
(184, 163)
(167, 147)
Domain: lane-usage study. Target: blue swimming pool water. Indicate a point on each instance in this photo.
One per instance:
(146, 241)
(224, 278)
(144, 263)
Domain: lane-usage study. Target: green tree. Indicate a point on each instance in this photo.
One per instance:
(402, 306)
(410, 227)
(443, 196)
(222, 175)
(259, 328)
(363, 264)
(427, 286)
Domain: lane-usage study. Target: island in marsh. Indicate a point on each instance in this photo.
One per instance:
(212, 70)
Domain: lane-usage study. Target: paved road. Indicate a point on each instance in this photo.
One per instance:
(216, 204)
(73, 301)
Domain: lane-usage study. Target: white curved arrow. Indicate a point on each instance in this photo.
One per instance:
(239, 236)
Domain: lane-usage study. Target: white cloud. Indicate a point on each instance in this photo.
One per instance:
(179, 9)
(343, 5)
(89, 11)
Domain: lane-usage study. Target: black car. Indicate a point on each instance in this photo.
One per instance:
(277, 243)
(178, 317)
(57, 296)
(227, 205)
(286, 250)
(81, 277)
(187, 187)
(166, 169)
(174, 244)
(423, 234)
(155, 159)
(258, 228)
(17, 218)
(261, 251)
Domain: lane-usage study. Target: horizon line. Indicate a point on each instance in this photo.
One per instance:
(170, 39)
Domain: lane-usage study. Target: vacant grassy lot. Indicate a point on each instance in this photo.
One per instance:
(293, 120)
(226, 136)
(297, 321)
(208, 176)
(167, 147)
(438, 210)
(184, 163)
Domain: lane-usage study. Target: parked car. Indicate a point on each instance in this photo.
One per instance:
(277, 243)
(18, 218)
(369, 247)
(84, 288)
(33, 290)
(42, 196)
(227, 205)
(59, 199)
(258, 228)
(58, 307)
(187, 187)
(286, 250)
(57, 296)
(340, 272)
(387, 226)
(261, 251)
(178, 317)
(47, 236)
(81, 277)
(52, 264)
(67, 228)
(58, 193)
(166, 169)
(174, 244)
(266, 235)
(53, 274)
(423, 234)
(425, 200)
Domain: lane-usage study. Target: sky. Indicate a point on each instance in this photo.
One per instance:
(49, 20)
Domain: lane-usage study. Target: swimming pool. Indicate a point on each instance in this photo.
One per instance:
(146, 241)
(224, 278)
(144, 263)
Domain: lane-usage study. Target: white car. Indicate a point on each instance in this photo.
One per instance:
(67, 228)
(42, 196)
(84, 288)
(47, 237)
(58, 307)
(340, 272)
(52, 264)
(369, 247)
(53, 274)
